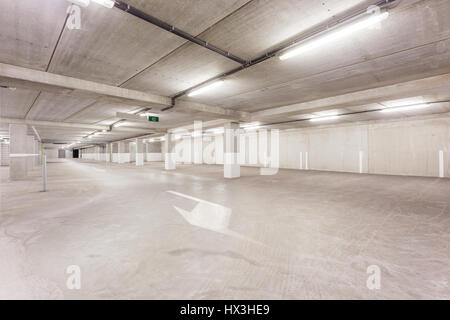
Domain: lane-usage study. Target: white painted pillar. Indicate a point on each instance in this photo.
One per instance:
(253, 147)
(121, 151)
(17, 150)
(441, 163)
(269, 151)
(97, 153)
(108, 149)
(301, 161)
(139, 152)
(306, 161)
(115, 152)
(231, 167)
(170, 156)
(198, 142)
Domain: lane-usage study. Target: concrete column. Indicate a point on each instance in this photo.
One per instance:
(198, 142)
(108, 149)
(17, 150)
(139, 152)
(231, 167)
(270, 150)
(30, 152)
(37, 150)
(169, 146)
(155, 151)
(121, 151)
(115, 152)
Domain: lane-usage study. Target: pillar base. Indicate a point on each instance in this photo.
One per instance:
(139, 159)
(170, 163)
(231, 171)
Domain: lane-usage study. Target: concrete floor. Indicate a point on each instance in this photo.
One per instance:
(295, 235)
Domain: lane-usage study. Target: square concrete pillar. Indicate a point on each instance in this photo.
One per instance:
(115, 152)
(170, 155)
(108, 150)
(198, 142)
(139, 152)
(37, 150)
(17, 151)
(121, 152)
(30, 153)
(231, 167)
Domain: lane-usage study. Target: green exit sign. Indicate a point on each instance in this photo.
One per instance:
(153, 119)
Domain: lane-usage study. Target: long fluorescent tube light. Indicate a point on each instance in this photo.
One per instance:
(149, 114)
(406, 108)
(334, 35)
(118, 124)
(326, 118)
(106, 3)
(81, 3)
(205, 88)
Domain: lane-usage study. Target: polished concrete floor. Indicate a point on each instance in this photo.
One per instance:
(190, 234)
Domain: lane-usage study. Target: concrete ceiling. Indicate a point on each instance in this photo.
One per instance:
(115, 48)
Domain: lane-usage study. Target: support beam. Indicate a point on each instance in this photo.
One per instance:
(39, 123)
(189, 106)
(408, 89)
(20, 77)
(11, 75)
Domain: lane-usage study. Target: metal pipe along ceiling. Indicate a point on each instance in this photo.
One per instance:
(164, 25)
(244, 64)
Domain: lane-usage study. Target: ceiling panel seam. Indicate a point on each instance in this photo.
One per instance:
(49, 62)
(185, 43)
(167, 55)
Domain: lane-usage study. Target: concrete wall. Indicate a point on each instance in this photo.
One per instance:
(403, 147)
(4, 154)
(51, 153)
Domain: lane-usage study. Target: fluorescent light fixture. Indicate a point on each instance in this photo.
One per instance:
(118, 124)
(81, 3)
(104, 130)
(205, 88)
(326, 118)
(251, 125)
(106, 3)
(338, 33)
(252, 128)
(405, 108)
(216, 130)
(149, 114)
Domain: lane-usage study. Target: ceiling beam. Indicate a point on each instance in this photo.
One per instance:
(19, 77)
(407, 89)
(55, 124)
(189, 106)
(11, 75)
